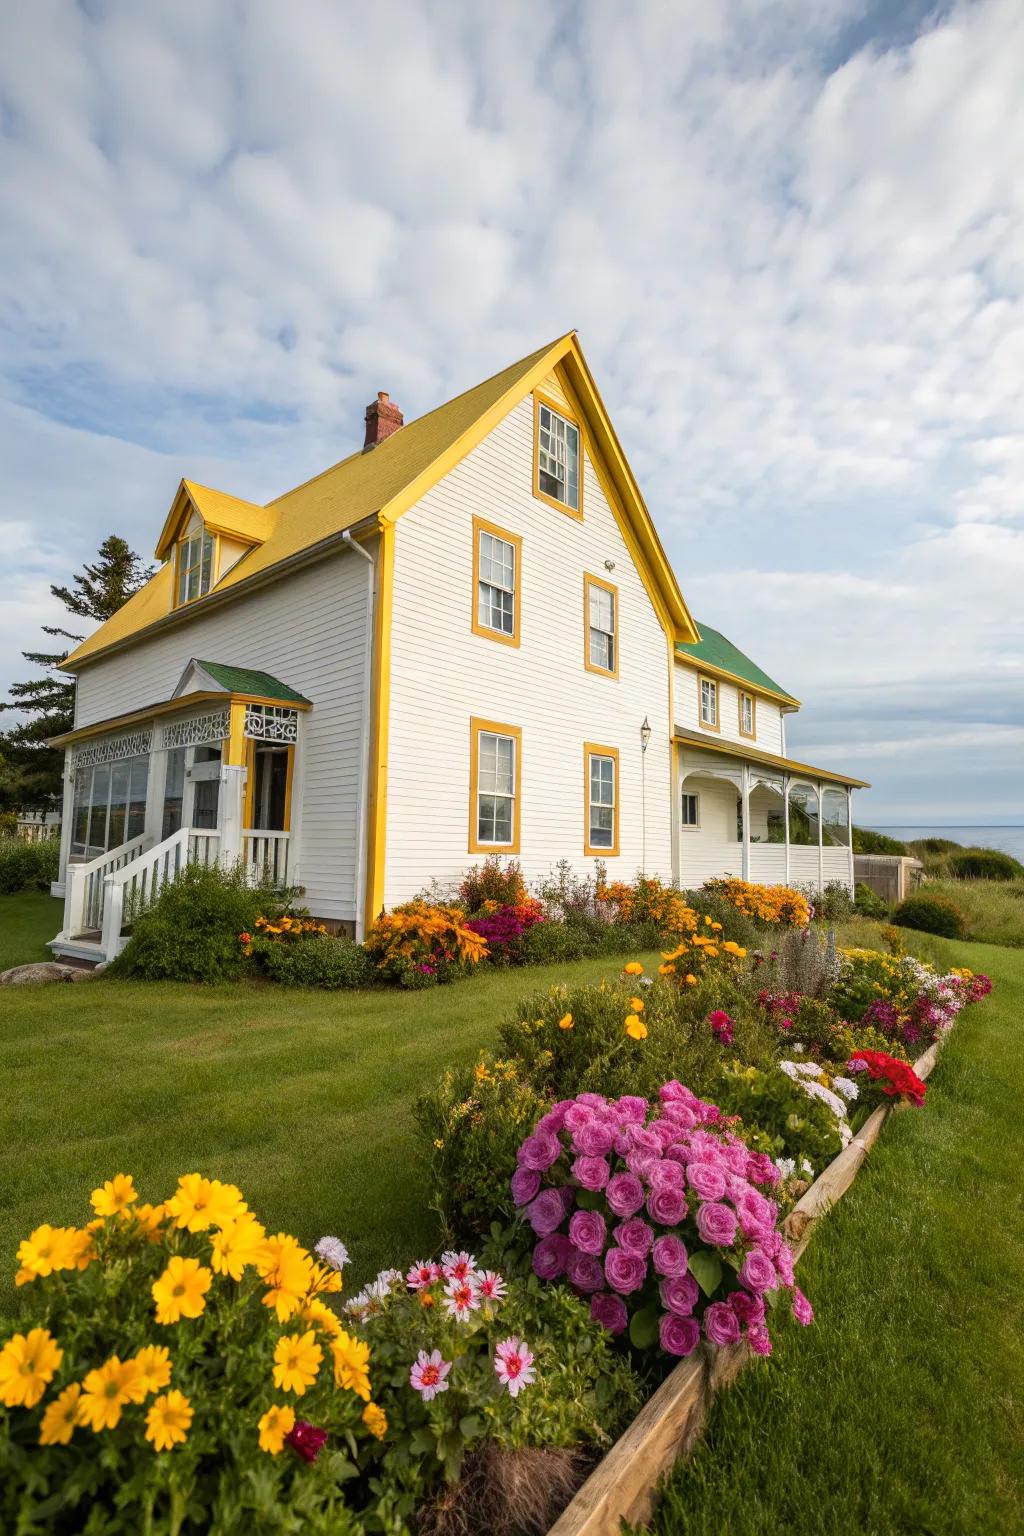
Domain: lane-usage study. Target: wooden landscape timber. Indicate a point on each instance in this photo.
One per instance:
(623, 1485)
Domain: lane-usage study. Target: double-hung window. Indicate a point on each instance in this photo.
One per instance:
(708, 703)
(601, 612)
(195, 567)
(557, 457)
(495, 788)
(748, 714)
(496, 582)
(601, 781)
(691, 809)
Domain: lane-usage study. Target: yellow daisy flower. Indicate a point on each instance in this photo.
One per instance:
(288, 1270)
(633, 968)
(565, 1022)
(351, 1363)
(50, 1248)
(237, 1245)
(168, 1420)
(276, 1423)
(28, 1362)
(106, 1390)
(181, 1290)
(375, 1420)
(636, 1029)
(154, 1363)
(199, 1203)
(297, 1359)
(150, 1220)
(62, 1417)
(114, 1196)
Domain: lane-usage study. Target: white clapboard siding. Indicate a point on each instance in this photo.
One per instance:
(768, 737)
(308, 630)
(442, 674)
(712, 849)
(768, 863)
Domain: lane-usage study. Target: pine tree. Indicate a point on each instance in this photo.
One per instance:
(30, 771)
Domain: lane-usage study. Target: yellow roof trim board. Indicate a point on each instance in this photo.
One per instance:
(787, 699)
(683, 737)
(183, 702)
(387, 481)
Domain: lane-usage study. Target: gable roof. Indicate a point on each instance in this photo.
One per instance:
(220, 512)
(245, 680)
(718, 654)
(385, 482)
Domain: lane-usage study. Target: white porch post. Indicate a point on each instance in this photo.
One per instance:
(156, 785)
(821, 860)
(849, 834)
(66, 818)
(785, 818)
(745, 816)
(232, 791)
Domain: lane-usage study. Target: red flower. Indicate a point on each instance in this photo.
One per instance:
(898, 1081)
(306, 1440)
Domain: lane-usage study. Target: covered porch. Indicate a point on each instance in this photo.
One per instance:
(759, 817)
(208, 775)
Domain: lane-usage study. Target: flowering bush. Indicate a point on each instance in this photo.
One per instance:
(503, 928)
(902, 997)
(837, 1093)
(796, 1130)
(653, 1211)
(894, 1079)
(765, 903)
(469, 1358)
(419, 944)
(174, 1360)
(492, 884)
(647, 900)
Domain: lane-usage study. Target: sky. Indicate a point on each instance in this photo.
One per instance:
(790, 236)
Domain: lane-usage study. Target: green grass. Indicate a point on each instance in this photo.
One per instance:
(301, 1098)
(902, 1409)
(994, 909)
(27, 922)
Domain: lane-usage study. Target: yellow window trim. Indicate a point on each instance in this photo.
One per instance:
(703, 678)
(497, 728)
(214, 569)
(593, 749)
(608, 586)
(515, 539)
(377, 796)
(539, 399)
(744, 693)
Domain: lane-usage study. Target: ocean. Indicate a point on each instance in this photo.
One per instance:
(1006, 839)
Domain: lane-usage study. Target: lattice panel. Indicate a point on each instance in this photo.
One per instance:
(197, 730)
(266, 722)
(113, 749)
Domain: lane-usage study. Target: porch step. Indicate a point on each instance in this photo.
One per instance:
(84, 949)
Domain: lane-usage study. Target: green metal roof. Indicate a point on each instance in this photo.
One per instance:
(719, 653)
(243, 680)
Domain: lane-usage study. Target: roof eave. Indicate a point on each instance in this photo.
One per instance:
(683, 737)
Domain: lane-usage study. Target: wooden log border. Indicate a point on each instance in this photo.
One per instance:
(623, 1486)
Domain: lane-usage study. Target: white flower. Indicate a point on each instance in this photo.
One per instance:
(786, 1166)
(388, 1279)
(819, 1091)
(847, 1087)
(333, 1252)
(806, 1167)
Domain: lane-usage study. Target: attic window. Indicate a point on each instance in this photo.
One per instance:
(557, 458)
(195, 567)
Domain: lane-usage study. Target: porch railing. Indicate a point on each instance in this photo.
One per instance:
(266, 855)
(85, 887)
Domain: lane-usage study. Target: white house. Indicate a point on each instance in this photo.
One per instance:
(464, 638)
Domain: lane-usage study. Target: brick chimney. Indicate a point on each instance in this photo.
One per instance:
(382, 418)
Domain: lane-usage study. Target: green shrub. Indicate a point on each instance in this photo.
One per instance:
(581, 938)
(796, 1125)
(319, 961)
(868, 903)
(984, 864)
(930, 847)
(191, 933)
(875, 842)
(709, 902)
(492, 880)
(834, 904)
(931, 914)
(27, 866)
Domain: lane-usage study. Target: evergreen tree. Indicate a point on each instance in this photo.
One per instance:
(30, 771)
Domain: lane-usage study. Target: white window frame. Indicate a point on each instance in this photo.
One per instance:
(562, 434)
(709, 719)
(482, 732)
(694, 825)
(593, 753)
(747, 704)
(198, 564)
(608, 639)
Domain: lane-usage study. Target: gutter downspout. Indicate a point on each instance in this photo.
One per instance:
(364, 776)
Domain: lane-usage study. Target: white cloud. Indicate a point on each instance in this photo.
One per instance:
(797, 269)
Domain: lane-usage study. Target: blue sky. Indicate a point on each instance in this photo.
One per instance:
(791, 238)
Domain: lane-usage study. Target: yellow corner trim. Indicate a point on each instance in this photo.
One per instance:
(607, 586)
(377, 798)
(593, 749)
(498, 728)
(540, 399)
(236, 738)
(515, 539)
(702, 678)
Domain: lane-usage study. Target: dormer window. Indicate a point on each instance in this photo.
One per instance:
(195, 567)
(557, 458)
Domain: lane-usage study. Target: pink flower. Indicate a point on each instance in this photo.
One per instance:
(591, 1172)
(758, 1272)
(721, 1026)
(716, 1225)
(490, 1286)
(305, 1439)
(513, 1363)
(749, 1309)
(761, 1169)
(585, 1272)
(635, 1236)
(678, 1335)
(721, 1323)
(546, 1212)
(784, 1264)
(706, 1180)
(679, 1294)
(670, 1256)
(525, 1184)
(609, 1311)
(539, 1151)
(632, 1108)
(759, 1340)
(429, 1374)
(593, 1139)
(551, 1256)
(625, 1272)
(625, 1194)
(802, 1309)
(588, 1231)
(460, 1299)
(666, 1206)
(457, 1266)
(421, 1275)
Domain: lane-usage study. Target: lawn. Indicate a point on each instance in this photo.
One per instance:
(301, 1098)
(27, 922)
(902, 1410)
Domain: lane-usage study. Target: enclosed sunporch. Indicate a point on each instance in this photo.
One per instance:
(208, 775)
(760, 817)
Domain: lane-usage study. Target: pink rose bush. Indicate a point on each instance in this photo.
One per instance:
(658, 1214)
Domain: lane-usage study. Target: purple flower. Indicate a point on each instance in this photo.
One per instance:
(761, 1170)
(715, 1223)
(857, 1064)
(539, 1151)
(632, 1108)
(551, 1256)
(784, 1264)
(759, 1340)
(678, 1335)
(545, 1213)
(585, 1272)
(625, 1194)
(675, 1092)
(591, 1172)
(758, 1272)
(593, 1139)
(749, 1309)
(525, 1184)
(680, 1114)
(721, 1323)
(625, 1272)
(666, 1206)
(306, 1440)
(670, 1256)
(635, 1236)
(680, 1294)
(802, 1309)
(609, 1311)
(589, 1232)
(666, 1173)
